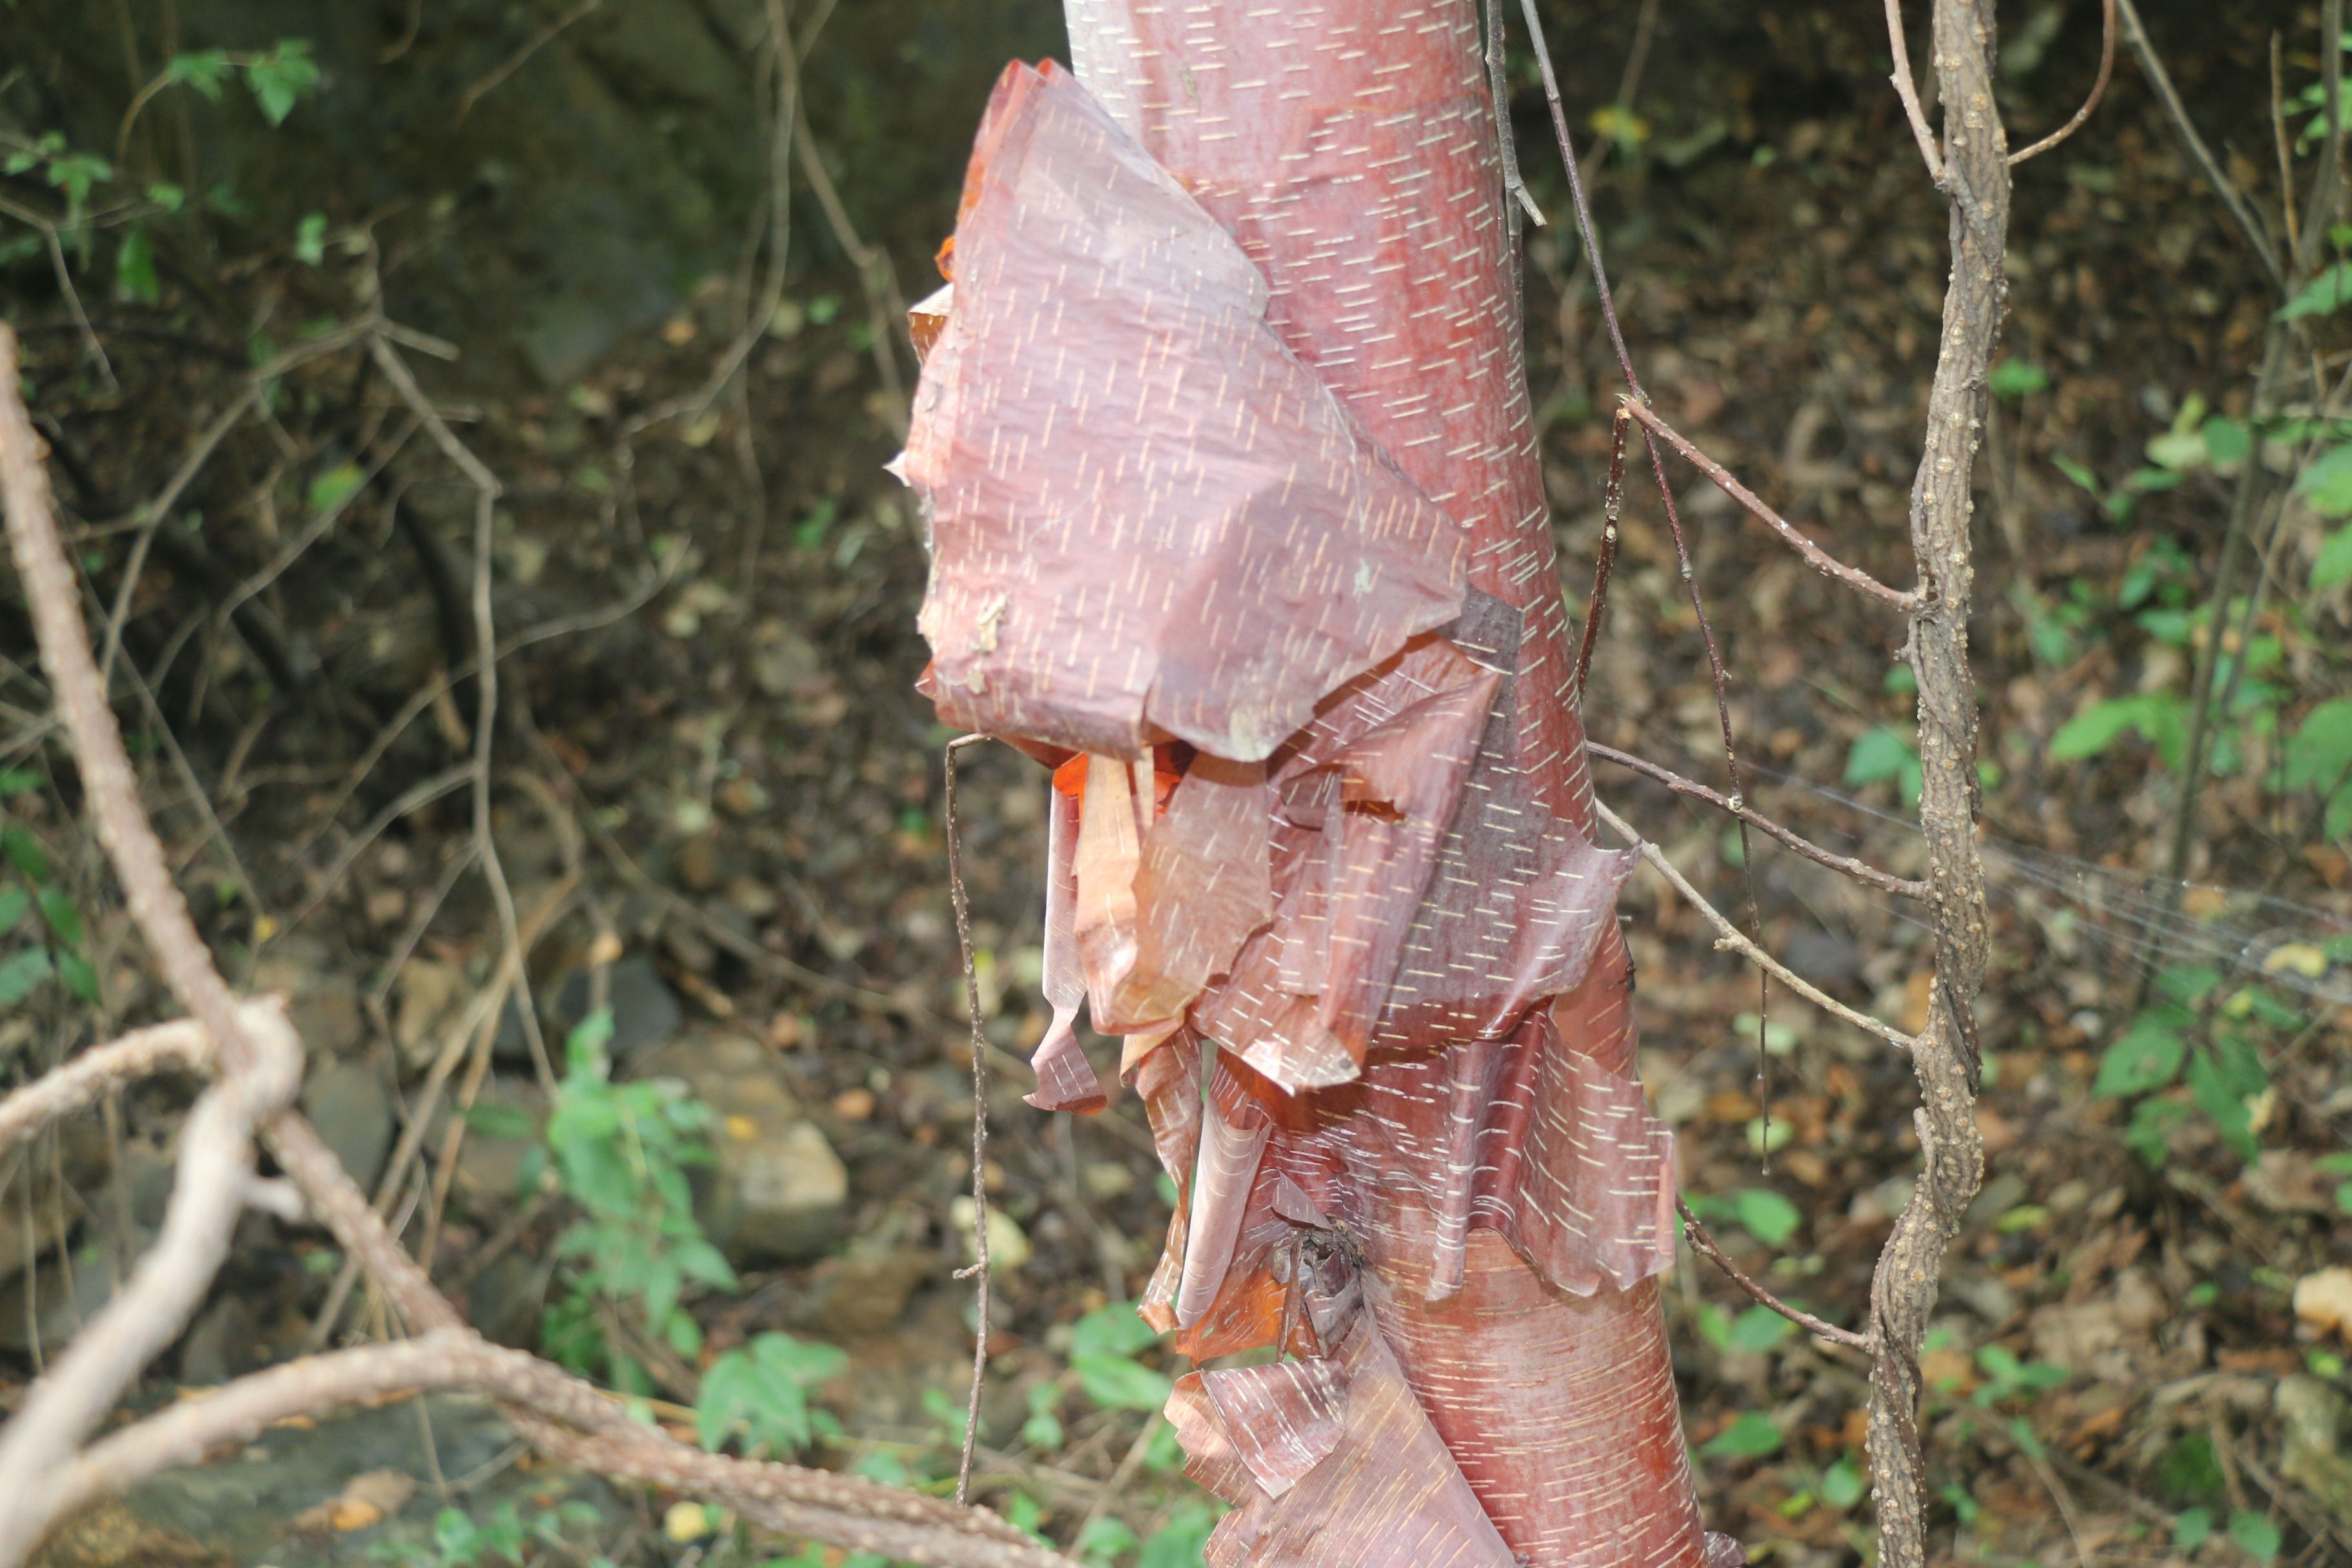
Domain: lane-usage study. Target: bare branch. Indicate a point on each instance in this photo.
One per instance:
(978, 1270)
(1704, 1244)
(1860, 870)
(214, 1169)
(2099, 90)
(846, 1509)
(1907, 88)
(2177, 112)
(1730, 939)
(83, 1081)
(1821, 560)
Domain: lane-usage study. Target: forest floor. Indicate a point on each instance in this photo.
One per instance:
(717, 804)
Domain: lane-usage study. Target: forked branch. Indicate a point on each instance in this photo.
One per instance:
(1704, 1244)
(1729, 938)
(1860, 870)
(1821, 560)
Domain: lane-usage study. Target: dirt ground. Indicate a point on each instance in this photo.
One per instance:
(716, 798)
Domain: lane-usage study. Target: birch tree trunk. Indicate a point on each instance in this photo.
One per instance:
(1251, 544)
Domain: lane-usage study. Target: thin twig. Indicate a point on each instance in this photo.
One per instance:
(521, 58)
(1590, 235)
(1704, 1244)
(1821, 560)
(1860, 870)
(1907, 88)
(487, 490)
(979, 1269)
(83, 1081)
(1613, 509)
(2177, 112)
(1729, 938)
(2099, 90)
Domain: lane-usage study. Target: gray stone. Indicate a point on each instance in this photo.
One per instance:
(777, 1190)
(2312, 1416)
(432, 995)
(322, 1005)
(350, 1105)
(645, 1013)
(276, 1502)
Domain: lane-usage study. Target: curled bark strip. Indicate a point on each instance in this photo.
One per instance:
(1125, 465)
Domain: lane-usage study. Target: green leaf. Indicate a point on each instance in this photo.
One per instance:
(331, 488)
(1841, 1484)
(24, 852)
(1765, 1214)
(205, 71)
(2093, 729)
(2321, 751)
(2178, 451)
(1119, 1383)
(2226, 441)
(279, 80)
(1104, 1539)
(1115, 1330)
(2143, 1057)
(75, 173)
(2191, 1527)
(2333, 562)
(2326, 484)
(1179, 1543)
(17, 780)
(2257, 1535)
(310, 239)
(1757, 1329)
(2327, 292)
(1883, 754)
(2015, 379)
(21, 973)
(168, 197)
(14, 902)
(2217, 1094)
(79, 977)
(1751, 1435)
(134, 269)
(61, 916)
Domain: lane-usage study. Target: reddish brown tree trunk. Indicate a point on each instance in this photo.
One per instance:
(1228, 449)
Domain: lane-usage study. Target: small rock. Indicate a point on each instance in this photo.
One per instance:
(431, 993)
(1008, 1245)
(504, 1301)
(2324, 1301)
(348, 1103)
(501, 1132)
(782, 659)
(860, 1292)
(697, 864)
(2313, 1415)
(751, 897)
(223, 1345)
(645, 1013)
(854, 1104)
(323, 1006)
(777, 1190)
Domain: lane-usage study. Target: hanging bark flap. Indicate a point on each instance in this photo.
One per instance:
(1385, 1493)
(1147, 515)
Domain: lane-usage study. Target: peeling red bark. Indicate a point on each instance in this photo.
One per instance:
(1236, 515)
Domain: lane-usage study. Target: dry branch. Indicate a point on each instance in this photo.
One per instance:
(1946, 1055)
(1729, 938)
(40, 1471)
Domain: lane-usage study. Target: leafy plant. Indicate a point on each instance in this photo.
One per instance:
(2208, 1043)
(459, 1541)
(620, 1151)
(1103, 1349)
(30, 955)
(761, 1393)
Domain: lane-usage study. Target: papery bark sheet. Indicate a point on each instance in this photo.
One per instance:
(1223, 440)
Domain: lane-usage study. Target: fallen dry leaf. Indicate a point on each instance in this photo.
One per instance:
(2324, 1299)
